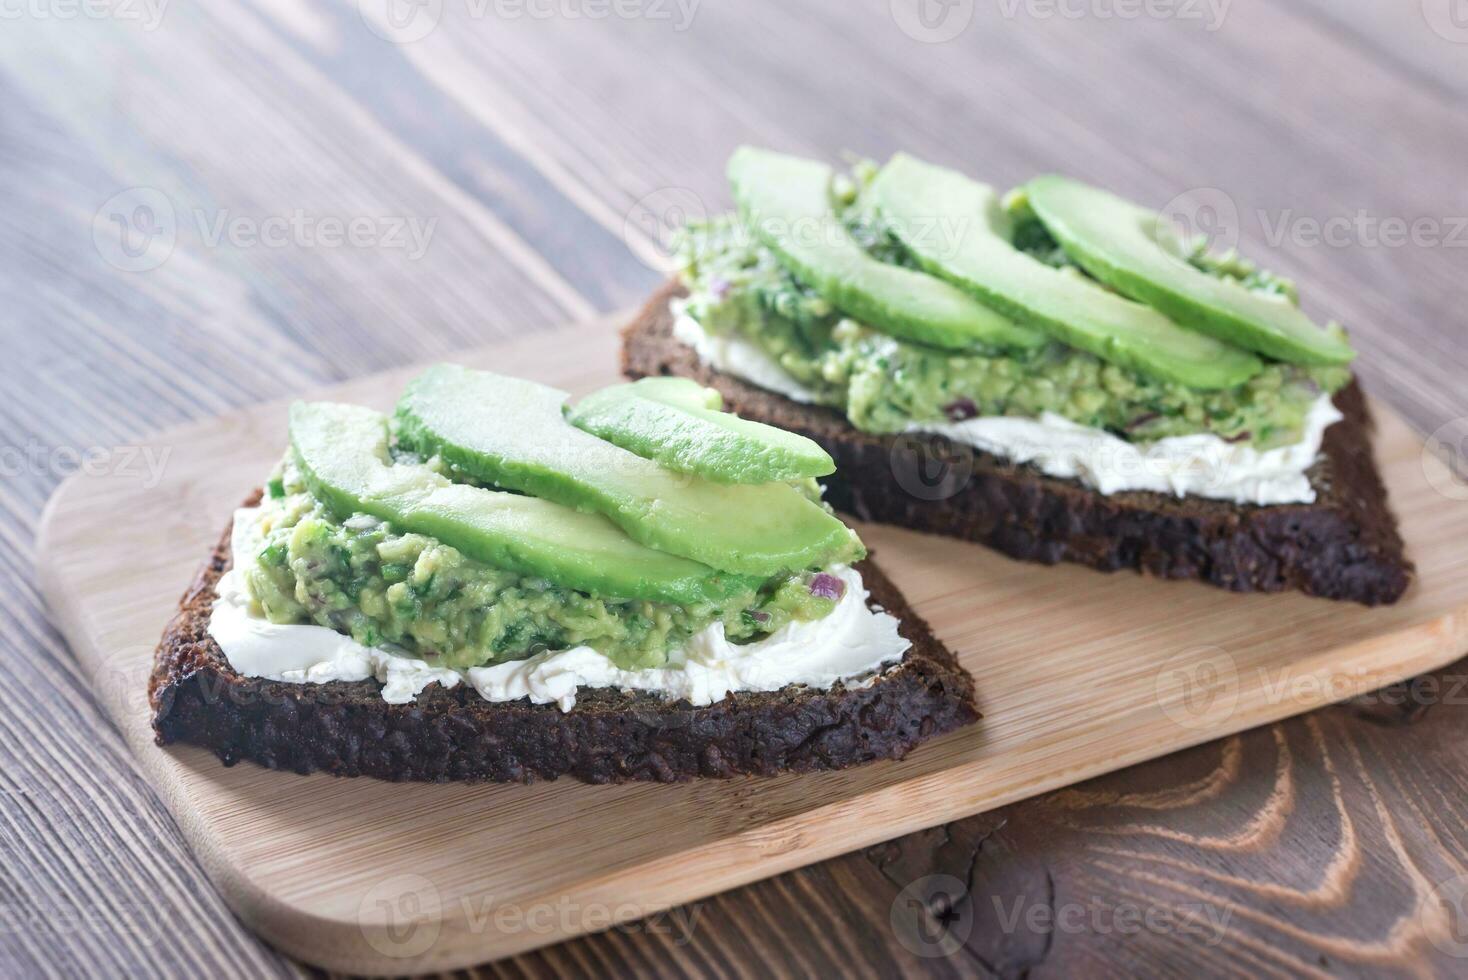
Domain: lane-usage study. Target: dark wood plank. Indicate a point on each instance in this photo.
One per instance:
(543, 153)
(1424, 42)
(1330, 844)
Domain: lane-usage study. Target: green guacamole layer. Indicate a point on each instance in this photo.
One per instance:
(363, 578)
(884, 384)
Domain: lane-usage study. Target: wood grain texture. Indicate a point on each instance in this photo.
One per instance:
(1076, 675)
(531, 141)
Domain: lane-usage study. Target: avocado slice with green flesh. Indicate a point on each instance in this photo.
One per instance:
(342, 452)
(908, 193)
(1134, 251)
(675, 422)
(680, 392)
(512, 433)
(787, 202)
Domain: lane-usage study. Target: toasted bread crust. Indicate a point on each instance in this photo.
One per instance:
(346, 729)
(1344, 546)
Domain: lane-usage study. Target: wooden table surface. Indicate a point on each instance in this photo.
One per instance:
(211, 204)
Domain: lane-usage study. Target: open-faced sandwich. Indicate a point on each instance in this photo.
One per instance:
(1101, 391)
(494, 584)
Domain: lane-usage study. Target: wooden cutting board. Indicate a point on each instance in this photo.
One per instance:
(1078, 673)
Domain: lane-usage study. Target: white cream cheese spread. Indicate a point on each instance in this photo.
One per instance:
(851, 642)
(739, 357)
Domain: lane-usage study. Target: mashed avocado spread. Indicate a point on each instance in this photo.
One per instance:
(363, 577)
(885, 384)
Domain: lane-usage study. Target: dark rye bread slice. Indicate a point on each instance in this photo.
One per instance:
(346, 729)
(1343, 546)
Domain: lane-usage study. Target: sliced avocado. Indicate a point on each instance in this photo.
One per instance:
(787, 202)
(1134, 251)
(908, 193)
(668, 420)
(342, 452)
(680, 392)
(513, 434)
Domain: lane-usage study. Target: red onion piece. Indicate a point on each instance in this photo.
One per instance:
(961, 409)
(827, 586)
